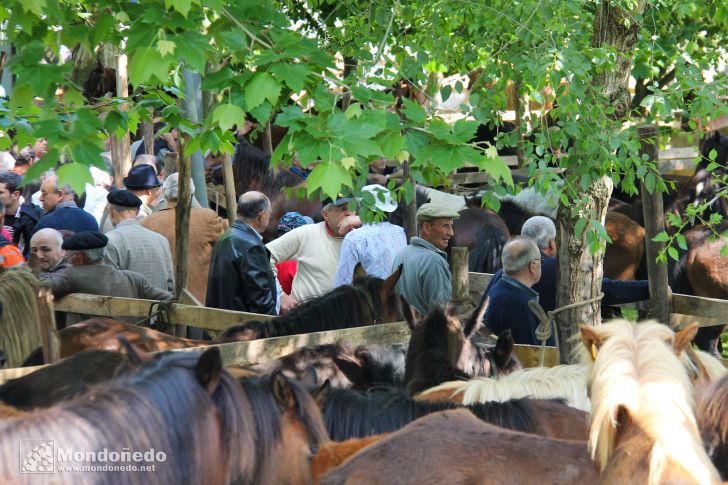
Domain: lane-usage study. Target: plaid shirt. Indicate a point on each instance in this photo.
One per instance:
(136, 248)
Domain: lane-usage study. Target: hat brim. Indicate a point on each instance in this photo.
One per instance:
(142, 187)
(339, 201)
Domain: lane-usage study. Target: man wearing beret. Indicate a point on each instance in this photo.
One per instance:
(85, 251)
(134, 247)
(426, 279)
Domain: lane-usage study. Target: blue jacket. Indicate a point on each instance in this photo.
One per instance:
(508, 309)
(68, 219)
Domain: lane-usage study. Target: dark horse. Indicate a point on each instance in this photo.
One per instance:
(252, 171)
(183, 406)
(369, 301)
(712, 415)
(441, 349)
(484, 233)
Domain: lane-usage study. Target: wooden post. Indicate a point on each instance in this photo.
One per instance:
(121, 148)
(182, 224)
(459, 272)
(231, 200)
(267, 140)
(49, 336)
(654, 214)
(148, 134)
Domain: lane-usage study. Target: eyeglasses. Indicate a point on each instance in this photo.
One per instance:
(539, 259)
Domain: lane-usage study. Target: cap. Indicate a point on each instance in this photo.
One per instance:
(430, 211)
(123, 198)
(382, 197)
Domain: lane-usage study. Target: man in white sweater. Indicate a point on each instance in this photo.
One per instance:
(316, 248)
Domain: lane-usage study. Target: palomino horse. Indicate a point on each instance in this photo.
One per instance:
(643, 429)
(356, 414)
(455, 447)
(182, 412)
(369, 301)
(441, 349)
(712, 415)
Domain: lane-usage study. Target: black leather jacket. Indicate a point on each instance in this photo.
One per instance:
(24, 226)
(241, 277)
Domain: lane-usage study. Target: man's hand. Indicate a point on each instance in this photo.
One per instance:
(34, 264)
(349, 223)
(287, 303)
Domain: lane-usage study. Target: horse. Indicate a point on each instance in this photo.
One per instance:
(712, 415)
(368, 301)
(357, 414)
(484, 233)
(455, 447)
(181, 412)
(19, 321)
(343, 366)
(441, 349)
(334, 453)
(643, 428)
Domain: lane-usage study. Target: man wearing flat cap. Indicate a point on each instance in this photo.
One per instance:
(316, 247)
(426, 280)
(134, 247)
(85, 251)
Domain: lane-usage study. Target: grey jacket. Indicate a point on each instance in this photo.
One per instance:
(426, 279)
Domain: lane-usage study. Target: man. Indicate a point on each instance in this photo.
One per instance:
(23, 160)
(143, 182)
(426, 279)
(20, 217)
(7, 162)
(543, 231)
(205, 230)
(10, 255)
(374, 245)
(60, 208)
(46, 249)
(85, 251)
(134, 247)
(508, 299)
(241, 277)
(316, 248)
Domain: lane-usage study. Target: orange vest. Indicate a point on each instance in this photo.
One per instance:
(10, 255)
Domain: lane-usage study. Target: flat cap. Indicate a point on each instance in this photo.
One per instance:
(340, 200)
(124, 198)
(430, 211)
(85, 240)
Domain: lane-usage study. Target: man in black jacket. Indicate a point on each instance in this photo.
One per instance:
(240, 276)
(20, 217)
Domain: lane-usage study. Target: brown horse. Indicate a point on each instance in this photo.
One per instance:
(441, 349)
(140, 415)
(455, 447)
(624, 256)
(484, 233)
(712, 415)
(334, 453)
(643, 429)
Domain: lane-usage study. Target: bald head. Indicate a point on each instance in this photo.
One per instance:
(46, 245)
(518, 254)
(254, 210)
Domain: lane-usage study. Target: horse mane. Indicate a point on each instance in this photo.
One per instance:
(355, 414)
(343, 307)
(712, 416)
(566, 382)
(713, 367)
(252, 169)
(485, 257)
(19, 322)
(153, 407)
(385, 365)
(266, 415)
(636, 370)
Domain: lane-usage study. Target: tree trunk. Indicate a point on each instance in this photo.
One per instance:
(580, 272)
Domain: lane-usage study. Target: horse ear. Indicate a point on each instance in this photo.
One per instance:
(282, 392)
(136, 357)
(503, 347)
(591, 340)
(684, 337)
(387, 287)
(475, 319)
(408, 314)
(352, 368)
(321, 393)
(209, 369)
(359, 271)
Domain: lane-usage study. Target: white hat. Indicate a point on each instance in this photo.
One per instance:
(382, 197)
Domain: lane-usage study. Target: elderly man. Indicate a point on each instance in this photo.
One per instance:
(85, 251)
(134, 247)
(426, 279)
(374, 245)
(509, 297)
(20, 217)
(241, 277)
(205, 230)
(143, 182)
(47, 254)
(316, 248)
(61, 212)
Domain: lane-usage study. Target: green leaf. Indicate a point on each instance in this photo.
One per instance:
(329, 177)
(495, 166)
(146, 63)
(166, 47)
(34, 6)
(661, 237)
(392, 143)
(293, 75)
(182, 6)
(681, 242)
(261, 87)
(353, 111)
(724, 251)
(413, 111)
(673, 253)
(579, 227)
(601, 231)
(192, 46)
(228, 115)
(650, 181)
(235, 40)
(712, 154)
(77, 175)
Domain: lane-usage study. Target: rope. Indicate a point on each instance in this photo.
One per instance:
(158, 309)
(547, 327)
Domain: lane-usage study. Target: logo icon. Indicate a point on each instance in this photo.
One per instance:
(36, 456)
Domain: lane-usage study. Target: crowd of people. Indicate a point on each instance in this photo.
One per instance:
(121, 242)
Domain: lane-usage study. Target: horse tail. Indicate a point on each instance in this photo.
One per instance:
(485, 256)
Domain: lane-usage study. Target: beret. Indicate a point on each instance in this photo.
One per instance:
(85, 240)
(430, 211)
(123, 198)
